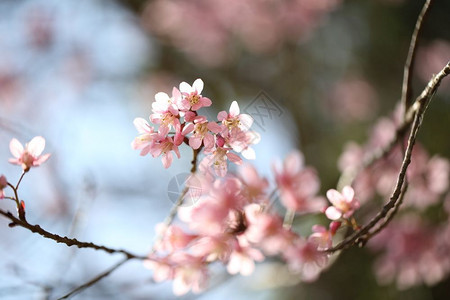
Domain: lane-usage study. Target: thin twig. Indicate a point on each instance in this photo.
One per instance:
(387, 219)
(349, 175)
(94, 280)
(65, 240)
(409, 64)
(419, 106)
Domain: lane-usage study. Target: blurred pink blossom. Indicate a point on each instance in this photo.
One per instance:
(298, 185)
(431, 59)
(412, 253)
(352, 99)
(208, 31)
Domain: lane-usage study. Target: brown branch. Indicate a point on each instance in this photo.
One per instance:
(349, 175)
(409, 64)
(94, 280)
(65, 240)
(419, 107)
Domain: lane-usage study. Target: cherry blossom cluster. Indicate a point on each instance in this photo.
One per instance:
(178, 121)
(234, 222)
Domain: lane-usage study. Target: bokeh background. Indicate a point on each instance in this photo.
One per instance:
(79, 71)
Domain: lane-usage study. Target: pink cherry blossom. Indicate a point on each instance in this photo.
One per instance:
(304, 258)
(234, 119)
(413, 252)
(344, 204)
(165, 147)
(162, 268)
(3, 184)
(165, 112)
(298, 185)
(266, 230)
(323, 237)
(146, 138)
(30, 156)
(192, 96)
(214, 247)
(242, 259)
(255, 186)
(190, 273)
(218, 160)
(201, 132)
(173, 238)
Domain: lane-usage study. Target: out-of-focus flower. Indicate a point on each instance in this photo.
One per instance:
(352, 99)
(431, 59)
(343, 204)
(3, 184)
(242, 259)
(30, 156)
(304, 258)
(215, 28)
(146, 137)
(190, 273)
(323, 237)
(412, 253)
(298, 185)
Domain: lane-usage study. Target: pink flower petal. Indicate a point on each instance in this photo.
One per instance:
(214, 127)
(41, 159)
(185, 87)
(198, 85)
(333, 213)
(188, 129)
(36, 146)
(334, 196)
(234, 158)
(167, 160)
(348, 193)
(222, 115)
(195, 142)
(16, 148)
(234, 109)
(141, 125)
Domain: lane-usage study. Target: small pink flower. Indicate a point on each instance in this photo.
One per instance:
(234, 119)
(162, 268)
(190, 273)
(255, 186)
(298, 185)
(218, 160)
(146, 138)
(165, 113)
(173, 238)
(242, 259)
(3, 184)
(344, 204)
(30, 156)
(323, 237)
(202, 132)
(305, 258)
(192, 96)
(165, 147)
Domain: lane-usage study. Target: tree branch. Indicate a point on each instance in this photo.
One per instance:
(65, 240)
(419, 107)
(94, 280)
(409, 64)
